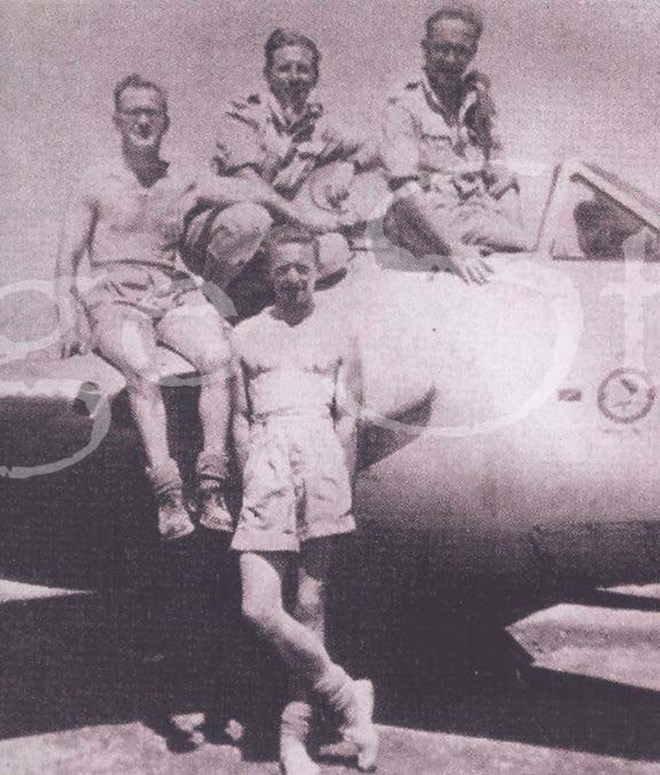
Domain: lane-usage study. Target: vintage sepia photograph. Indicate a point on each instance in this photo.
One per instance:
(329, 385)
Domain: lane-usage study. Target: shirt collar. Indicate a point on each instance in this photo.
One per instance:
(469, 97)
(118, 169)
(310, 115)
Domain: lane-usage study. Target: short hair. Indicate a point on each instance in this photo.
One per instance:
(136, 81)
(466, 13)
(283, 36)
(291, 234)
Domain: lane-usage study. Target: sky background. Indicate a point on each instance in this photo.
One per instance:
(579, 78)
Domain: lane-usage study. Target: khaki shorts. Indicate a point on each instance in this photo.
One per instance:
(150, 290)
(131, 309)
(296, 486)
(479, 220)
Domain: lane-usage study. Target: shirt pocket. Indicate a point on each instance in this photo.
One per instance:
(433, 127)
(436, 142)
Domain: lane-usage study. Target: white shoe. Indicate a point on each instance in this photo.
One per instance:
(358, 727)
(294, 760)
(294, 736)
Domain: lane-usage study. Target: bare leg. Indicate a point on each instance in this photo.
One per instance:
(127, 339)
(198, 333)
(303, 651)
(262, 577)
(149, 412)
(310, 611)
(310, 598)
(128, 342)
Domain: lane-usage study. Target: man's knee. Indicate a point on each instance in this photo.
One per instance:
(206, 346)
(209, 356)
(231, 235)
(497, 233)
(129, 346)
(241, 224)
(213, 362)
(142, 380)
(262, 615)
(309, 607)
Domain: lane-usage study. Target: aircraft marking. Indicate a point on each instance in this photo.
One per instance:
(626, 395)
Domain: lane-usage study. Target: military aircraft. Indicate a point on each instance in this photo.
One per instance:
(508, 451)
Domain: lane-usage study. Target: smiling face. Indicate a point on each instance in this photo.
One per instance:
(141, 117)
(292, 73)
(449, 48)
(292, 267)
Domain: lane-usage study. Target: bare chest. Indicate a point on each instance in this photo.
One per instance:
(126, 207)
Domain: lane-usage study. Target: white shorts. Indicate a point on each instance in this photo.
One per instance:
(296, 486)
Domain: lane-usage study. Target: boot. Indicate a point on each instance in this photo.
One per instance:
(294, 736)
(211, 507)
(173, 519)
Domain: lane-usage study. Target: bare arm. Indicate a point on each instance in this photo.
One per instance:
(241, 418)
(349, 154)
(348, 404)
(75, 240)
(250, 187)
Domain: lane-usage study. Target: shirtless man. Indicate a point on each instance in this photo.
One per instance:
(454, 195)
(295, 436)
(127, 215)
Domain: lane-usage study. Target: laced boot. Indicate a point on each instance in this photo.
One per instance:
(212, 510)
(173, 519)
(294, 736)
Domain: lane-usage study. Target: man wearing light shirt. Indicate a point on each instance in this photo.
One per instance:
(280, 136)
(443, 156)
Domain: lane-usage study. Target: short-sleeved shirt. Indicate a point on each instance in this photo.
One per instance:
(254, 133)
(420, 142)
(135, 224)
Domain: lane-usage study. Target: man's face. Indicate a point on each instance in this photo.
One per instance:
(293, 274)
(142, 117)
(450, 48)
(292, 74)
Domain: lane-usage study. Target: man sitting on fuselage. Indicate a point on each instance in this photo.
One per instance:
(443, 156)
(127, 215)
(279, 136)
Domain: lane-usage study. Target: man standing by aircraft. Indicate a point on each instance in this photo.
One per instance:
(295, 436)
(444, 158)
(279, 136)
(127, 216)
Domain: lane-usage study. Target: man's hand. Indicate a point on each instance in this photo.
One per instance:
(500, 179)
(336, 190)
(473, 270)
(70, 344)
(318, 221)
(72, 340)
